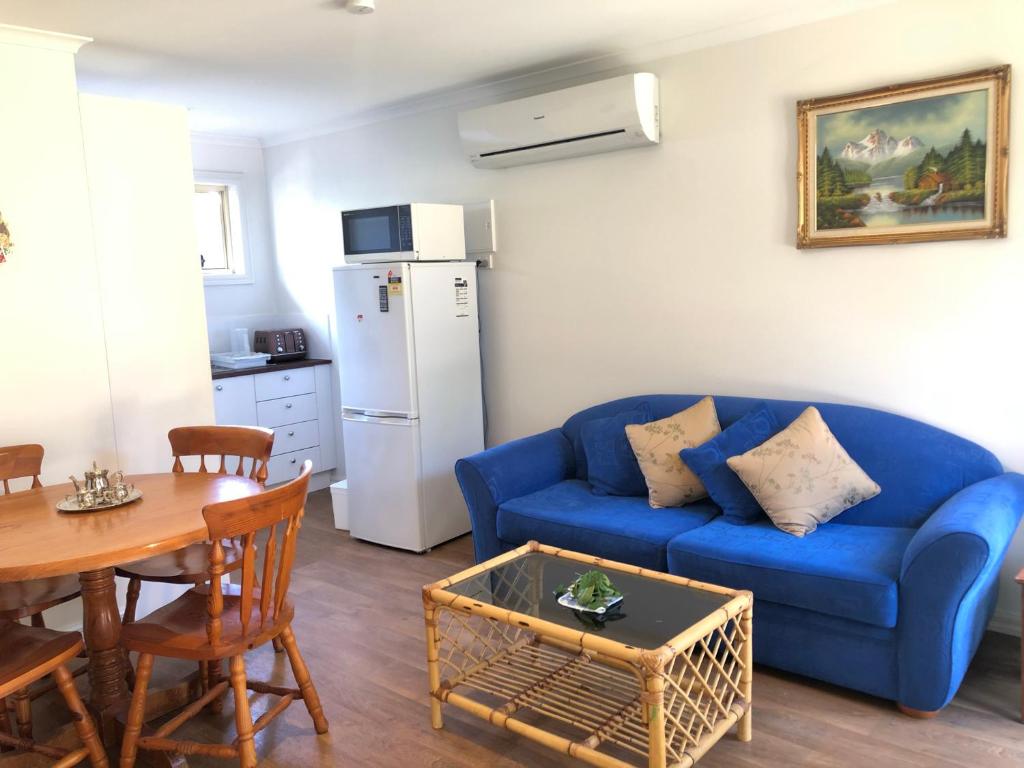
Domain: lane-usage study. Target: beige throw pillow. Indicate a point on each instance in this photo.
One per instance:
(671, 483)
(802, 477)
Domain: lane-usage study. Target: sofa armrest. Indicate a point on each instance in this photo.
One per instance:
(948, 587)
(506, 472)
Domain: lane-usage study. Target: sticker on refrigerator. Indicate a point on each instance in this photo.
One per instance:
(461, 297)
(395, 285)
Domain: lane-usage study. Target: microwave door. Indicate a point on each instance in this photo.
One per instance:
(370, 231)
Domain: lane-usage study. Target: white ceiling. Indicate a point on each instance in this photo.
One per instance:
(279, 68)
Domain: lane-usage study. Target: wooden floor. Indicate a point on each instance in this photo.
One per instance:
(359, 624)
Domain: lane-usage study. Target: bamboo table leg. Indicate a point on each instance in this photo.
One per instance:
(655, 702)
(745, 731)
(433, 667)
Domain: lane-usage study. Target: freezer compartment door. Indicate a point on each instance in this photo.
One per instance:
(375, 343)
(382, 458)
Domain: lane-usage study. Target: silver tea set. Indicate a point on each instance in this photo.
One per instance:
(100, 488)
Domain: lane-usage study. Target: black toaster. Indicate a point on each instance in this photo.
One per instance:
(287, 344)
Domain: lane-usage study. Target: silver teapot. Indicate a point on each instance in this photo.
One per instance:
(100, 488)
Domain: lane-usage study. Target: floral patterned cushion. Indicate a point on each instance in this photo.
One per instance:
(802, 476)
(670, 483)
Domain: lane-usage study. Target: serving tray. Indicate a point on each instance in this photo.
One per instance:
(71, 505)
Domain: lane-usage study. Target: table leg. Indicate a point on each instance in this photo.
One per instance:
(746, 726)
(654, 703)
(430, 616)
(102, 630)
(109, 691)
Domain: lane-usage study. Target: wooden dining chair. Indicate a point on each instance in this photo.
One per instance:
(223, 445)
(28, 599)
(191, 564)
(28, 654)
(224, 620)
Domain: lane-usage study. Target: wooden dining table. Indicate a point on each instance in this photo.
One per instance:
(37, 540)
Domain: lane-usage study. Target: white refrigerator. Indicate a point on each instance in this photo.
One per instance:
(409, 356)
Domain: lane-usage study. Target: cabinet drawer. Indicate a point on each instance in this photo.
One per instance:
(286, 466)
(234, 402)
(286, 410)
(292, 437)
(298, 381)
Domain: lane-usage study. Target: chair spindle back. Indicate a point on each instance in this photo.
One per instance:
(253, 443)
(277, 514)
(19, 461)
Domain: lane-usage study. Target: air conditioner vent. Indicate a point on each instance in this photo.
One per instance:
(552, 143)
(598, 117)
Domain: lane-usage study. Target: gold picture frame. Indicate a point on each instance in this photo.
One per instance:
(894, 186)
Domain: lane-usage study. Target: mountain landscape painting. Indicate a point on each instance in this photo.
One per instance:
(908, 163)
(903, 163)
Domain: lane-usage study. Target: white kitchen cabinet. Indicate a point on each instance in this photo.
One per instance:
(286, 410)
(296, 381)
(294, 437)
(295, 403)
(234, 401)
(286, 466)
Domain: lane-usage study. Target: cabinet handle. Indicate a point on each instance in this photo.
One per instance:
(291, 434)
(287, 378)
(287, 405)
(294, 460)
(220, 387)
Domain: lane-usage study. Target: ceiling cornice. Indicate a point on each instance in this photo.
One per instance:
(525, 84)
(224, 140)
(40, 38)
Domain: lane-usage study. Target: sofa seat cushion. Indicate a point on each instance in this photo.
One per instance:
(850, 571)
(623, 528)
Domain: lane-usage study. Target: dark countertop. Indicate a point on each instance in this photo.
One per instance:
(227, 373)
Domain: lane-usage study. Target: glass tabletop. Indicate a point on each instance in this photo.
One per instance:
(651, 613)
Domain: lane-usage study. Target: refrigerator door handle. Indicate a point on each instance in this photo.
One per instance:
(367, 418)
(388, 414)
(346, 412)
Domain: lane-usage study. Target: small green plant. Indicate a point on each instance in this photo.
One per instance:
(592, 590)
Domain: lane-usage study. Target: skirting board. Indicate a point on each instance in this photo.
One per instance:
(319, 481)
(1005, 624)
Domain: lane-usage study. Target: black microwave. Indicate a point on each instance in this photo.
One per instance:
(410, 232)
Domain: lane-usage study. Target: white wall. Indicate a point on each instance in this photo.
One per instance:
(53, 379)
(229, 304)
(100, 301)
(258, 305)
(139, 165)
(673, 269)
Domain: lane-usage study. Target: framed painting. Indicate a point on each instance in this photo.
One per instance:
(905, 163)
(6, 246)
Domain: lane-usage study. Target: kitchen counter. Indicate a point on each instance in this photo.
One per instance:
(227, 373)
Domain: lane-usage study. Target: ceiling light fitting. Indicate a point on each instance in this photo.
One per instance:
(360, 6)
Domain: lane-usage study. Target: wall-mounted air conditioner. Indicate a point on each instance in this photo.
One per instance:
(598, 117)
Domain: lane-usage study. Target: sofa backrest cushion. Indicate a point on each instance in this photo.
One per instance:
(917, 465)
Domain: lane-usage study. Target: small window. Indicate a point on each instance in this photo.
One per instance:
(219, 232)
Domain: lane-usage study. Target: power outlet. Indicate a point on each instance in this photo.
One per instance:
(481, 236)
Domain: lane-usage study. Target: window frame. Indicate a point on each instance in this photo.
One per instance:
(236, 227)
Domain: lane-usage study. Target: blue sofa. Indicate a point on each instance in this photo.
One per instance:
(890, 598)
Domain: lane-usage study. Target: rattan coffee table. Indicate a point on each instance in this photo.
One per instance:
(657, 683)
